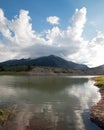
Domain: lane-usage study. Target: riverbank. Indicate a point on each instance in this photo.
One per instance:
(47, 71)
(97, 111)
(13, 73)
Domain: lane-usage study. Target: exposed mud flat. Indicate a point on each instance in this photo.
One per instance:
(97, 111)
(26, 120)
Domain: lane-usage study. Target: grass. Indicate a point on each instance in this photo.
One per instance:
(12, 73)
(99, 81)
(7, 114)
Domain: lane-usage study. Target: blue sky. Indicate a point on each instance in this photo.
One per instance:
(45, 33)
(40, 9)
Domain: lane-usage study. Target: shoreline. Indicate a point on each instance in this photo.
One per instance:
(30, 73)
(97, 110)
(49, 71)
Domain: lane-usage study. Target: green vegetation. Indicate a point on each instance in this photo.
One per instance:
(13, 73)
(7, 114)
(21, 70)
(61, 70)
(99, 81)
(15, 68)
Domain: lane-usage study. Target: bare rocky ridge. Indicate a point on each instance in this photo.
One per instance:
(41, 71)
(50, 71)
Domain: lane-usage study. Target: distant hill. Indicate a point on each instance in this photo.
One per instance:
(96, 70)
(48, 61)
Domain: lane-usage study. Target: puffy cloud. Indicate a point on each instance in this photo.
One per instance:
(4, 25)
(19, 40)
(96, 49)
(69, 41)
(79, 20)
(22, 29)
(53, 20)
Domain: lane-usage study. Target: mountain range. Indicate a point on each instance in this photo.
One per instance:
(55, 62)
(47, 61)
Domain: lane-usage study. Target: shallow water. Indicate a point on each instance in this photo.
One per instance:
(60, 103)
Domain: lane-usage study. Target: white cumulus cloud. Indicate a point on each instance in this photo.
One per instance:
(53, 20)
(19, 40)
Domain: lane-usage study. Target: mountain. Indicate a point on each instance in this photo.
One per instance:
(49, 61)
(96, 70)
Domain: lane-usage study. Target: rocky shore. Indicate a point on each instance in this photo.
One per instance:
(97, 111)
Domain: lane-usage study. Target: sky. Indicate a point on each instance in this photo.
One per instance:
(71, 29)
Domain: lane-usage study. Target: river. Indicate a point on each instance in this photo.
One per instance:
(53, 103)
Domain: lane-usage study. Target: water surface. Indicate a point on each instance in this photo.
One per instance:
(60, 103)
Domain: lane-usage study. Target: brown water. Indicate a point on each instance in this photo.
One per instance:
(51, 103)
